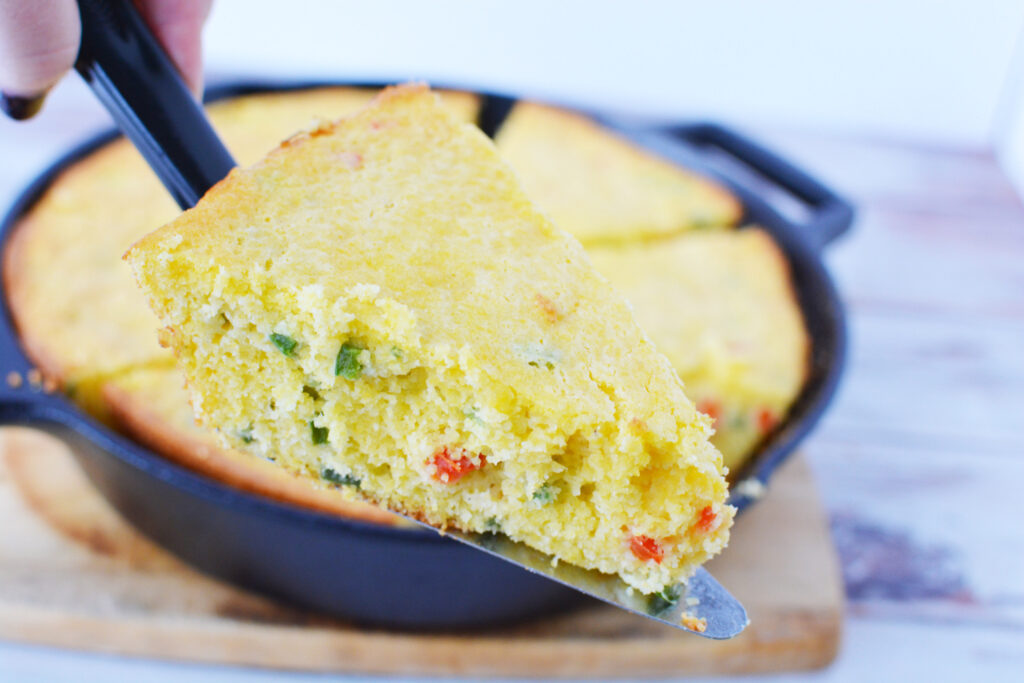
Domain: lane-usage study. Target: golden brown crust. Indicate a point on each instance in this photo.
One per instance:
(234, 469)
(14, 282)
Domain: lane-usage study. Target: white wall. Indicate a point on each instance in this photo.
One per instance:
(1009, 127)
(923, 70)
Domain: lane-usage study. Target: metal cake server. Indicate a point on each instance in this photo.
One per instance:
(135, 80)
(701, 605)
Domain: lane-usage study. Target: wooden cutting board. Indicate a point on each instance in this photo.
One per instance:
(74, 574)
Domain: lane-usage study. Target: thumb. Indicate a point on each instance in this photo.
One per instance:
(38, 44)
(177, 25)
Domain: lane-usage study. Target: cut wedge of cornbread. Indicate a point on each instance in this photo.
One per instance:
(151, 405)
(602, 188)
(722, 307)
(73, 299)
(379, 300)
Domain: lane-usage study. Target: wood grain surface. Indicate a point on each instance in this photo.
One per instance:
(921, 458)
(74, 574)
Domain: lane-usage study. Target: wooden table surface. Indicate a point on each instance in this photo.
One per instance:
(921, 458)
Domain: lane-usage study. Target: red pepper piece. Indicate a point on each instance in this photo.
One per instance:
(448, 467)
(707, 519)
(766, 420)
(646, 548)
(712, 408)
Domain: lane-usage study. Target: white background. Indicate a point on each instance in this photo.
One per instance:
(926, 70)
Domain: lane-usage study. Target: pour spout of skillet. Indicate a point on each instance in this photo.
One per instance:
(136, 81)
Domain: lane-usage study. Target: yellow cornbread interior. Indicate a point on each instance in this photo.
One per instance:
(378, 298)
(720, 306)
(72, 296)
(151, 403)
(601, 188)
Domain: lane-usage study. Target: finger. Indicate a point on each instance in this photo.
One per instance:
(38, 44)
(177, 24)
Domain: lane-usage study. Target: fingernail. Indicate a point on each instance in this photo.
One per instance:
(21, 108)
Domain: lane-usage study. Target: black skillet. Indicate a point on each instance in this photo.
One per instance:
(384, 576)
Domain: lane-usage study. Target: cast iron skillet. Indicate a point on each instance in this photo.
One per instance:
(383, 575)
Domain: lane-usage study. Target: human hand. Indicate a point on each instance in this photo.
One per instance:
(39, 42)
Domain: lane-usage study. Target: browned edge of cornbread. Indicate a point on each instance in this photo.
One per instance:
(710, 185)
(13, 282)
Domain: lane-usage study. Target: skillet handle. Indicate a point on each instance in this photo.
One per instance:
(136, 81)
(830, 214)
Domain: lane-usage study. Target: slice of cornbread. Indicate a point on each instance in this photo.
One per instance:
(378, 299)
(602, 188)
(73, 299)
(722, 307)
(151, 405)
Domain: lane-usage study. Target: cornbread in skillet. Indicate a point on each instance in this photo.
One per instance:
(151, 405)
(378, 300)
(722, 307)
(73, 299)
(602, 188)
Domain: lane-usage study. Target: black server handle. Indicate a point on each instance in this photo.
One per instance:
(131, 74)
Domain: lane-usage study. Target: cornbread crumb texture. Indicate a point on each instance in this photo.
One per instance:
(72, 297)
(600, 187)
(697, 624)
(721, 306)
(412, 321)
(151, 405)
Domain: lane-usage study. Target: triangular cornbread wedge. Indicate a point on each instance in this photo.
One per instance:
(602, 188)
(378, 302)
